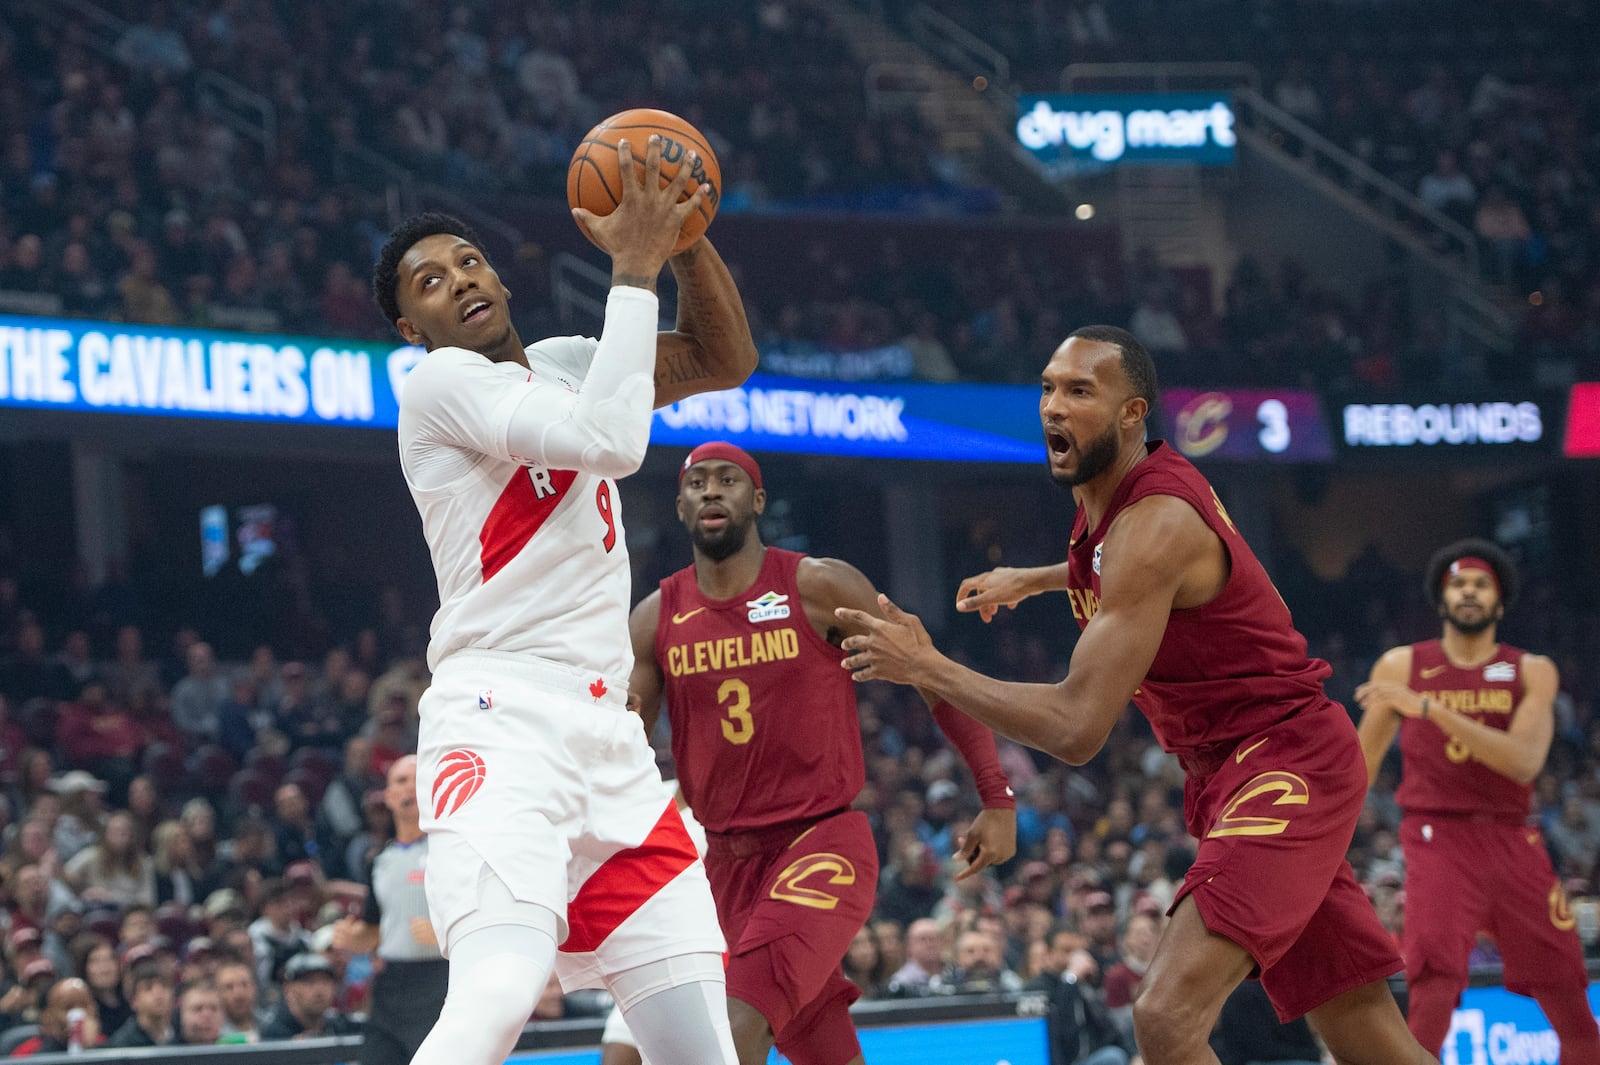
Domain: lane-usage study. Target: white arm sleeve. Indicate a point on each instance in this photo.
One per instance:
(459, 399)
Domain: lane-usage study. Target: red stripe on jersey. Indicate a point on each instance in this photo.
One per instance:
(626, 880)
(526, 504)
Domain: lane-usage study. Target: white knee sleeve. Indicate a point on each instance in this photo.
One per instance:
(677, 1009)
(497, 972)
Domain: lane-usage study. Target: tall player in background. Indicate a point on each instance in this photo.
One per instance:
(744, 645)
(1475, 719)
(1179, 617)
(539, 795)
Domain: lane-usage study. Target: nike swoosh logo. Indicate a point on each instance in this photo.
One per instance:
(1239, 756)
(1429, 674)
(679, 619)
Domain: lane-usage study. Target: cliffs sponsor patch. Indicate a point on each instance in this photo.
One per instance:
(768, 607)
(1498, 672)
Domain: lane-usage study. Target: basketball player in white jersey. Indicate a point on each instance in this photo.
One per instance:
(538, 792)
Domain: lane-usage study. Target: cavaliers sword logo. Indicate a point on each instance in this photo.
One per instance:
(461, 773)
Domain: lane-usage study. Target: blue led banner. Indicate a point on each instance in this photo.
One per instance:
(1494, 1027)
(1017, 1041)
(1077, 131)
(115, 368)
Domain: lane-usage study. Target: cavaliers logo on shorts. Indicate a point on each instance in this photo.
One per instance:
(460, 775)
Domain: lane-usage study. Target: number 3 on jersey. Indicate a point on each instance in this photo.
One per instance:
(602, 503)
(734, 698)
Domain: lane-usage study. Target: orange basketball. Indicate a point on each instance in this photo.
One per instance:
(594, 181)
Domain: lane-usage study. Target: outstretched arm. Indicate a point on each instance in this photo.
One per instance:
(1151, 551)
(1517, 752)
(1379, 724)
(828, 585)
(645, 682)
(710, 348)
(1007, 586)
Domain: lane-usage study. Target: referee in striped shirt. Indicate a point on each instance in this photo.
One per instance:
(409, 988)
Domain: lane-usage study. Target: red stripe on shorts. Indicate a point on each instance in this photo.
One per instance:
(526, 503)
(627, 880)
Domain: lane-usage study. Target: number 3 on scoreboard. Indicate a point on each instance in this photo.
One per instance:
(734, 698)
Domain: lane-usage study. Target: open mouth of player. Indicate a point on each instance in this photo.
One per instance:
(475, 311)
(713, 518)
(1058, 443)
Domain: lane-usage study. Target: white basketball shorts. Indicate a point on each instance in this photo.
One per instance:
(539, 774)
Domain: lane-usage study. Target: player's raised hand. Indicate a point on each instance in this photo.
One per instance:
(990, 840)
(891, 648)
(640, 234)
(986, 593)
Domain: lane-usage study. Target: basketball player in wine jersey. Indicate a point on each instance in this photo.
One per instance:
(744, 645)
(1179, 617)
(1475, 719)
(540, 798)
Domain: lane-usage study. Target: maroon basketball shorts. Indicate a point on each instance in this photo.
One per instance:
(790, 903)
(1274, 822)
(1465, 875)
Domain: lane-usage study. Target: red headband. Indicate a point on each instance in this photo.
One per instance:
(721, 449)
(1470, 562)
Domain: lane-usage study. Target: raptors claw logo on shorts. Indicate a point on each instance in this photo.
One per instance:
(460, 775)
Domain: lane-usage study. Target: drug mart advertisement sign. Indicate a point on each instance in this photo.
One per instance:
(1494, 1027)
(117, 368)
(1071, 132)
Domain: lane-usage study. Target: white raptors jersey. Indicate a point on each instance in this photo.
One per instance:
(529, 560)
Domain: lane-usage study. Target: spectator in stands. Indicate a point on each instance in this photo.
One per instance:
(150, 989)
(113, 870)
(1575, 837)
(198, 697)
(95, 734)
(96, 964)
(924, 958)
(179, 876)
(1446, 189)
(55, 1032)
(130, 671)
(276, 935)
(863, 963)
(910, 888)
(144, 297)
(199, 1014)
(296, 830)
(1081, 1031)
(1139, 939)
(236, 987)
(82, 821)
(28, 674)
(1503, 229)
(251, 851)
(309, 986)
(340, 815)
(978, 967)
(152, 46)
(1098, 923)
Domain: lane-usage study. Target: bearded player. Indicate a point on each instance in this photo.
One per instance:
(744, 645)
(1179, 617)
(1475, 718)
(540, 799)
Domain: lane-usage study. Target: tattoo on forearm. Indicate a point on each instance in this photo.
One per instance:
(635, 280)
(680, 367)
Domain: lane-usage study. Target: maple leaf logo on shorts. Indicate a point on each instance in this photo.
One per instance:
(461, 774)
(597, 687)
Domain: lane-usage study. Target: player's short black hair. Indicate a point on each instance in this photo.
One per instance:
(386, 274)
(1505, 570)
(1136, 360)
